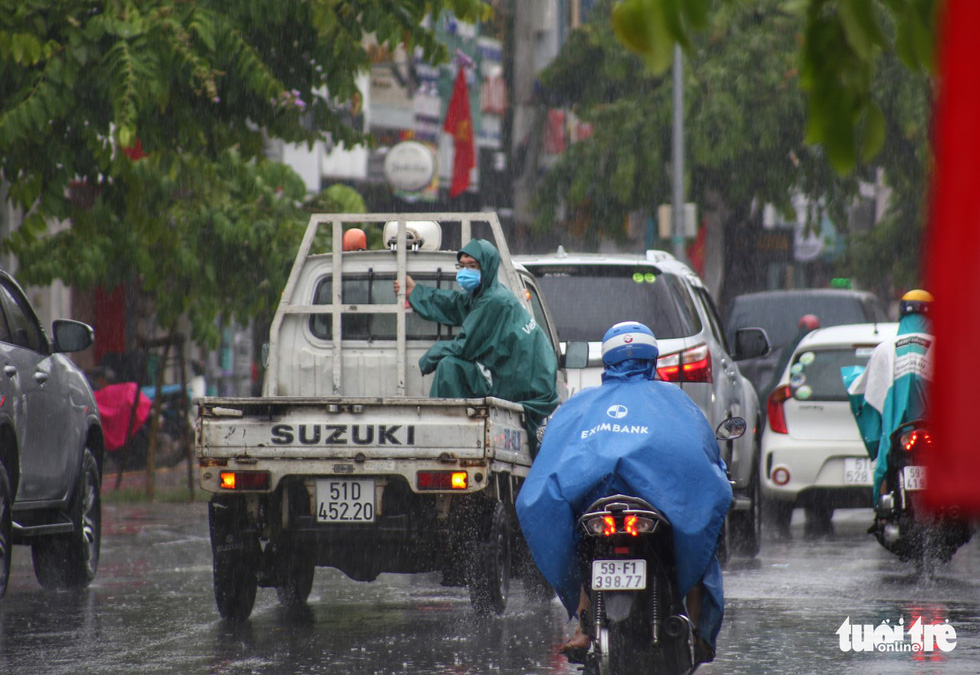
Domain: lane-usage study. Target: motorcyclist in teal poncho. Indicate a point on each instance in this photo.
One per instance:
(499, 350)
(891, 390)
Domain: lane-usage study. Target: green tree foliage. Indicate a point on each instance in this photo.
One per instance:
(843, 42)
(890, 252)
(203, 221)
(744, 118)
(743, 113)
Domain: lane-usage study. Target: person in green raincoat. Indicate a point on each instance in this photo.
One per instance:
(891, 390)
(499, 350)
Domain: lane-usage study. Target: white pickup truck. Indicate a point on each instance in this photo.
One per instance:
(345, 461)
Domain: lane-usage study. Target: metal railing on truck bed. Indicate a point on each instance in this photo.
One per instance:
(400, 246)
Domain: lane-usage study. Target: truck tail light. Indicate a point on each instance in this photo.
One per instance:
(690, 365)
(244, 480)
(774, 409)
(442, 480)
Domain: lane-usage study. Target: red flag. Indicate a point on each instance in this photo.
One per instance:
(459, 124)
(953, 252)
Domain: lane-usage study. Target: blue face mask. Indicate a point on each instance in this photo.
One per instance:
(468, 279)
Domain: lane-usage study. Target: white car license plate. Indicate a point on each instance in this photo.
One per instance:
(345, 500)
(858, 471)
(915, 477)
(619, 575)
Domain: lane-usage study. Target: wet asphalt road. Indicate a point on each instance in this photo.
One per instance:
(151, 610)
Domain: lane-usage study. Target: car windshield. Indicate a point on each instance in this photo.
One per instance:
(815, 373)
(586, 300)
(780, 315)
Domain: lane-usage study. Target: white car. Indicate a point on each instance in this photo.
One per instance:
(812, 453)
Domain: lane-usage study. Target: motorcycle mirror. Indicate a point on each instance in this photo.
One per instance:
(730, 429)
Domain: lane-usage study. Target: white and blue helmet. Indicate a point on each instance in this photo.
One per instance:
(628, 340)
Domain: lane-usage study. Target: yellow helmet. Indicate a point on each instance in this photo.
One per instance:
(915, 301)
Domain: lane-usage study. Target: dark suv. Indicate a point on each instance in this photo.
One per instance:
(779, 313)
(50, 446)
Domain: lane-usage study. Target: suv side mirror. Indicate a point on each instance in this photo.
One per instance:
(576, 354)
(750, 343)
(71, 336)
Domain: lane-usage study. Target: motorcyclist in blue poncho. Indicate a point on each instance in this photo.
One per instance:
(667, 455)
(891, 390)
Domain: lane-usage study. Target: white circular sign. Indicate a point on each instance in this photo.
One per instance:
(409, 166)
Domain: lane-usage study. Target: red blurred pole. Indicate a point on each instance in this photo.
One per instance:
(953, 259)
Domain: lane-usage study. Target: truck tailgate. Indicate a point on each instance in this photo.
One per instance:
(361, 428)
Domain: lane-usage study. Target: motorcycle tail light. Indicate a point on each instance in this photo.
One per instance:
(595, 526)
(244, 480)
(601, 525)
(636, 525)
(916, 440)
(774, 409)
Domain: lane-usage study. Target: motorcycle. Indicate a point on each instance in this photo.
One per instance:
(637, 621)
(902, 525)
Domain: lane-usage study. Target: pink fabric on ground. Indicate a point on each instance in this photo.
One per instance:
(115, 403)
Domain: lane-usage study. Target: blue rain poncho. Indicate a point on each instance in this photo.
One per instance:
(636, 436)
(891, 390)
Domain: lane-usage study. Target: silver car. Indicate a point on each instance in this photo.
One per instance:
(588, 293)
(50, 447)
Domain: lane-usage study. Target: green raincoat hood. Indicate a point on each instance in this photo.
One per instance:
(487, 255)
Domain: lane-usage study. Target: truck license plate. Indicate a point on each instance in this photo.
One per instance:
(858, 471)
(915, 477)
(619, 575)
(345, 500)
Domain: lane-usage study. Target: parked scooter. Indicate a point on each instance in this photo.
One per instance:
(637, 621)
(903, 526)
(125, 412)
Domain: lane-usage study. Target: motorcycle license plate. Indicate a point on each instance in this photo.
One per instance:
(345, 500)
(619, 575)
(858, 471)
(915, 477)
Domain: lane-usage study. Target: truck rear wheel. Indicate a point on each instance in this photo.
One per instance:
(235, 556)
(295, 577)
(489, 573)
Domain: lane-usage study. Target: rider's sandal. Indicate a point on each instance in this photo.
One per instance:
(576, 653)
